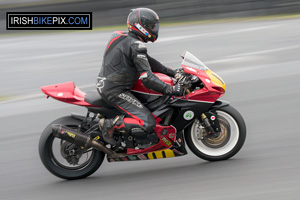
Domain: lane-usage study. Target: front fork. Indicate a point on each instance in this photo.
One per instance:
(211, 126)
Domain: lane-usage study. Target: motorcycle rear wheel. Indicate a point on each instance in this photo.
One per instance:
(51, 154)
(226, 145)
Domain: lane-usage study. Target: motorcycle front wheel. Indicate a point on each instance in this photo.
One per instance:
(59, 156)
(228, 142)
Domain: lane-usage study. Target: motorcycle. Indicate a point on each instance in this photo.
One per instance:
(72, 147)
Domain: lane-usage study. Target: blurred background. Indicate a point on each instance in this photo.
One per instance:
(253, 45)
(108, 12)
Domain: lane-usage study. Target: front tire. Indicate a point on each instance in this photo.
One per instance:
(51, 147)
(226, 145)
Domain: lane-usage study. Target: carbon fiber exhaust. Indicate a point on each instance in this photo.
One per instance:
(80, 139)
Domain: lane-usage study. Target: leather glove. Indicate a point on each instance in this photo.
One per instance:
(177, 90)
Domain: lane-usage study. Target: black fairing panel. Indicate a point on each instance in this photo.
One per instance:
(219, 104)
(154, 105)
(197, 108)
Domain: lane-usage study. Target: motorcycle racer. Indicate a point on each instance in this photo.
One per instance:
(125, 61)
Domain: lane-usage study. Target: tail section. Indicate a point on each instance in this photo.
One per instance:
(66, 92)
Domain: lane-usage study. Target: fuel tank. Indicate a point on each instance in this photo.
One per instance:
(146, 95)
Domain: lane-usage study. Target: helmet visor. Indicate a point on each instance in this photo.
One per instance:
(153, 28)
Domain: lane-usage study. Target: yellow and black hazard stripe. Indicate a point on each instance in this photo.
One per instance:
(161, 154)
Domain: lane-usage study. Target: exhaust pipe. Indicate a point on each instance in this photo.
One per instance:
(80, 139)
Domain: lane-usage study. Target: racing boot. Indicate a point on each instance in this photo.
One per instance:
(108, 128)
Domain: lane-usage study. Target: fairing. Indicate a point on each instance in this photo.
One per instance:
(66, 92)
(193, 65)
(167, 153)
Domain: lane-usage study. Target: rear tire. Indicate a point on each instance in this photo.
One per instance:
(229, 142)
(59, 169)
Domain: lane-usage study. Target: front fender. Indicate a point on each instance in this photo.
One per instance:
(218, 104)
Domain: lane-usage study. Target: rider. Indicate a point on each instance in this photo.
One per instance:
(125, 61)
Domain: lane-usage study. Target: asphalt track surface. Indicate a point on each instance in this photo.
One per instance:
(259, 61)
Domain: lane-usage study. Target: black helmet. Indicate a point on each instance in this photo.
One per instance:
(144, 22)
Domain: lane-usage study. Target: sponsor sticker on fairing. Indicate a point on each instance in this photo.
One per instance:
(167, 142)
(212, 118)
(188, 115)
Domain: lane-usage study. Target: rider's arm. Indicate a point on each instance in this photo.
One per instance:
(150, 80)
(156, 66)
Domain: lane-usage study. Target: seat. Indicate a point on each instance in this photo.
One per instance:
(94, 98)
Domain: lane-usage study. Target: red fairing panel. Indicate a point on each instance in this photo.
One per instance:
(139, 86)
(191, 70)
(206, 94)
(66, 92)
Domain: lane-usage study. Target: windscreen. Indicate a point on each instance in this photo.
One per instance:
(191, 61)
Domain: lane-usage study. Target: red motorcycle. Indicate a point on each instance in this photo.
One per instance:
(71, 147)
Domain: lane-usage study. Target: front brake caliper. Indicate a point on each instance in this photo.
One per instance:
(211, 124)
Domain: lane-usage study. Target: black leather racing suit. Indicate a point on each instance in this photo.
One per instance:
(125, 61)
